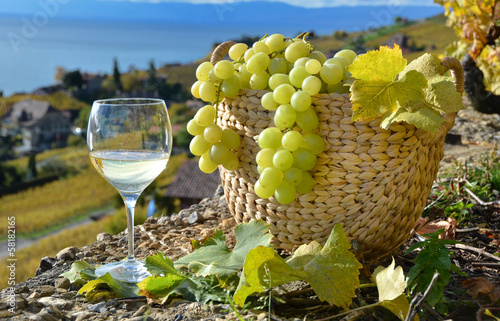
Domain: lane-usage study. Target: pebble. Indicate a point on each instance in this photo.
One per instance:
(67, 254)
(57, 303)
(62, 283)
(98, 307)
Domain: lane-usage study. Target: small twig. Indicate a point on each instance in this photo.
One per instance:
(485, 264)
(475, 249)
(419, 299)
(467, 230)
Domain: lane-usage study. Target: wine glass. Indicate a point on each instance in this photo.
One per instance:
(129, 143)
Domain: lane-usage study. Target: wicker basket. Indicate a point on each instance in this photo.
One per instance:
(374, 182)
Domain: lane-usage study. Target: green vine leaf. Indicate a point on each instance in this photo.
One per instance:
(80, 273)
(159, 288)
(264, 269)
(215, 258)
(424, 118)
(106, 282)
(159, 265)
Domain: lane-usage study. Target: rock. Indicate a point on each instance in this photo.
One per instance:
(45, 264)
(20, 302)
(67, 254)
(48, 315)
(46, 290)
(98, 307)
(103, 237)
(82, 315)
(195, 218)
(141, 310)
(141, 318)
(57, 303)
(62, 283)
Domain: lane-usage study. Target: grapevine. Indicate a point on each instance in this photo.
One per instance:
(292, 71)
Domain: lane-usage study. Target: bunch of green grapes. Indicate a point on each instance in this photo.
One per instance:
(292, 71)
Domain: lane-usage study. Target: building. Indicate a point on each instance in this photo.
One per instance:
(40, 124)
(191, 185)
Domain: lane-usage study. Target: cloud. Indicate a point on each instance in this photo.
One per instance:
(309, 3)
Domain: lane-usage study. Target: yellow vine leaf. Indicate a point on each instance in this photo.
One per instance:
(377, 90)
(390, 281)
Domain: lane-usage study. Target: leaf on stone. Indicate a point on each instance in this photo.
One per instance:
(264, 269)
(334, 271)
(377, 91)
(80, 273)
(390, 281)
(215, 258)
(159, 265)
(97, 290)
(159, 288)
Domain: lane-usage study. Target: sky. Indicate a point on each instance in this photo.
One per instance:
(309, 3)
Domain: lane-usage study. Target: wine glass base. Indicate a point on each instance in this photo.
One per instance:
(126, 271)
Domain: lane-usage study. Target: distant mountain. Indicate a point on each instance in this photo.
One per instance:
(253, 13)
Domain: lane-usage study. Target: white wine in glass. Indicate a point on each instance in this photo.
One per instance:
(129, 143)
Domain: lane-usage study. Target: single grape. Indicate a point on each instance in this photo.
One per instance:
(230, 138)
(237, 50)
(275, 42)
(224, 69)
(206, 165)
(267, 101)
(259, 81)
(271, 177)
(205, 115)
(296, 50)
(297, 76)
(301, 61)
(208, 91)
(260, 169)
(198, 145)
(212, 77)
(285, 116)
(307, 120)
(260, 46)
(285, 193)
(278, 66)
(313, 66)
(283, 93)
(264, 157)
(203, 70)
(193, 128)
(195, 89)
(346, 53)
(293, 175)
(263, 192)
(331, 74)
(232, 163)
(300, 101)
(258, 62)
(270, 138)
(313, 142)
(231, 86)
(345, 61)
(335, 61)
(307, 183)
(311, 85)
(282, 159)
(318, 55)
(212, 133)
(304, 159)
(219, 153)
(244, 76)
(278, 79)
(291, 140)
(248, 54)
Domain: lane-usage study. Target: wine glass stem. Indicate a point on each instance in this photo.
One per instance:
(130, 205)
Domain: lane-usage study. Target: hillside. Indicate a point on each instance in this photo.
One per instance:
(429, 35)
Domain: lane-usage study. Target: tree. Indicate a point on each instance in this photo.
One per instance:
(73, 79)
(117, 75)
(152, 82)
(477, 23)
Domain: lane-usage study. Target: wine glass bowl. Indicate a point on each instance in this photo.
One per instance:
(129, 143)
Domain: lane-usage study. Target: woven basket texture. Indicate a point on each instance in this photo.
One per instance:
(374, 182)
